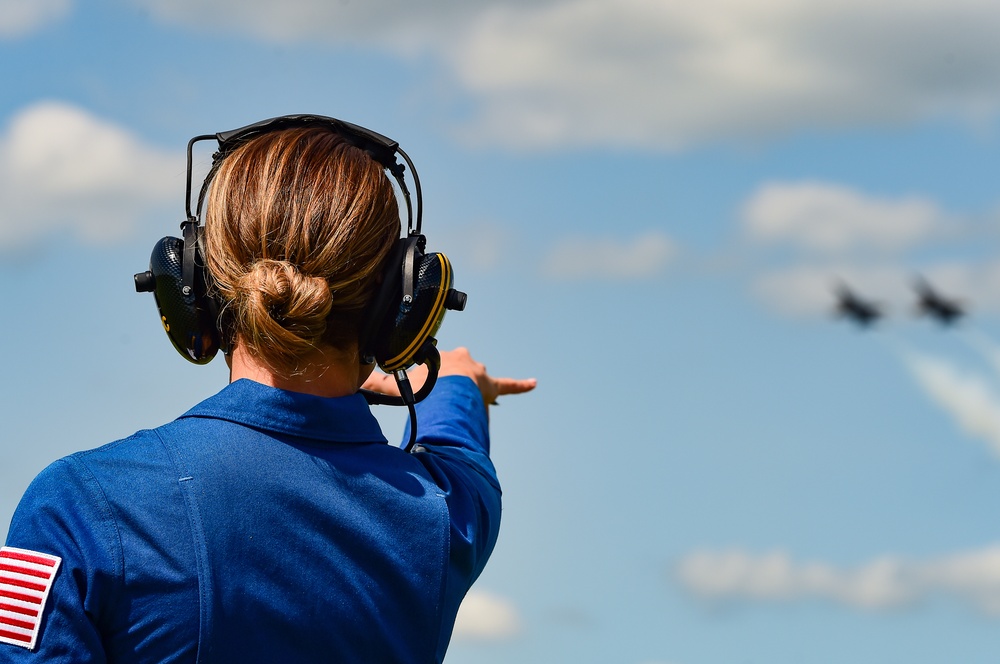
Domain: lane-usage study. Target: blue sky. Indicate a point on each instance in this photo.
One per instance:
(649, 204)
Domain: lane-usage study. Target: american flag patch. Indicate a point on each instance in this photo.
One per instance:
(25, 580)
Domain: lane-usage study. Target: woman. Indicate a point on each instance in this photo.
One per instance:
(271, 522)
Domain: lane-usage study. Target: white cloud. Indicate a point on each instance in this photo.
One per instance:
(610, 258)
(484, 616)
(832, 218)
(884, 583)
(669, 75)
(62, 169)
(663, 75)
(21, 17)
(397, 26)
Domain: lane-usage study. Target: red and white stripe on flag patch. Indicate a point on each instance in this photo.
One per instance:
(25, 581)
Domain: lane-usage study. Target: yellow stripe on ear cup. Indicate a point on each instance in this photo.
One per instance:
(430, 323)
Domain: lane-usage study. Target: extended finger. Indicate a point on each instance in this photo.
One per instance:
(514, 385)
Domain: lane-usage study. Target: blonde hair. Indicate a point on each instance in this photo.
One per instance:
(298, 225)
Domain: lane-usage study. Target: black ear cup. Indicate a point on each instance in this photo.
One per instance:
(425, 294)
(189, 318)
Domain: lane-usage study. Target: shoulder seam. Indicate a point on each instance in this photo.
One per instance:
(118, 554)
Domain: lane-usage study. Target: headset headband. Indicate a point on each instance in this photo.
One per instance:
(397, 329)
(381, 148)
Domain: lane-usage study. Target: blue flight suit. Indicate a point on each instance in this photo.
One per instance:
(265, 526)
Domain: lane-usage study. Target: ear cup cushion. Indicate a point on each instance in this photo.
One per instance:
(386, 299)
(189, 320)
(405, 330)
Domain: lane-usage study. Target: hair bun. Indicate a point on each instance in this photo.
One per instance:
(283, 304)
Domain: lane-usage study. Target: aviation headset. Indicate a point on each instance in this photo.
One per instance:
(396, 330)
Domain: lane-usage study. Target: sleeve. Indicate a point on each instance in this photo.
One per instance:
(453, 444)
(63, 514)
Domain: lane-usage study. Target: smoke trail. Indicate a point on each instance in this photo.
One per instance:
(968, 398)
(971, 397)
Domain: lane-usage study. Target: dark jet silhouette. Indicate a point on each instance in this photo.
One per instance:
(849, 305)
(931, 303)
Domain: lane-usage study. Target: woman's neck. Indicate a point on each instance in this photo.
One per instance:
(329, 373)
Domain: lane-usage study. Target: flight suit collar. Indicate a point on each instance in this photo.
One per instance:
(339, 420)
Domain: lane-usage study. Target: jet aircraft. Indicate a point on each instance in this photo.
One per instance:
(931, 303)
(858, 310)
